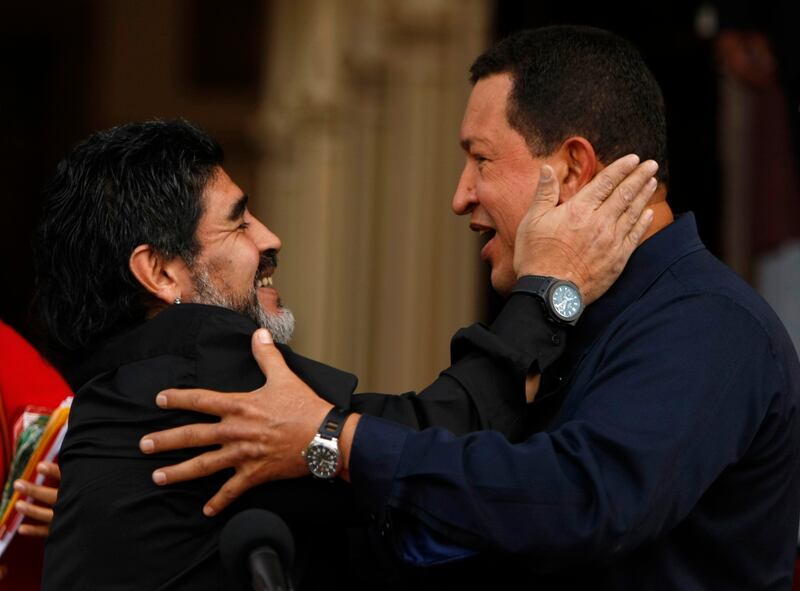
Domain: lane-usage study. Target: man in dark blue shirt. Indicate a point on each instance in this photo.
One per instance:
(662, 449)
(671, 462)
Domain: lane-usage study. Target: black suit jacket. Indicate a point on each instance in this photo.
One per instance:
(115, 529)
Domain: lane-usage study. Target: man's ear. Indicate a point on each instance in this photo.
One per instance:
(576, 165)
(166, 280)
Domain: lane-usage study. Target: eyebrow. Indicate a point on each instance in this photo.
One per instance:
(238, 209)
(467, 143)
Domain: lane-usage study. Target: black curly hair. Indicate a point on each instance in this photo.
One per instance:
(139, 183)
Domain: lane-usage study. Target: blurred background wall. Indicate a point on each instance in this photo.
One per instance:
(340, 119)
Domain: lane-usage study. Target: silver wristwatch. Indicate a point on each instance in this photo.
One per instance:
(322, 454)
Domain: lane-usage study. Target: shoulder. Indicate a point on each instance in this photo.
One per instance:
(213, 342)
(700, 313)
(190, 340)
(705, 285)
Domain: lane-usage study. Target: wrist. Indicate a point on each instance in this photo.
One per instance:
(561, 262)
(561, 299)
(561, 273)
(346, 444)
(324, 455)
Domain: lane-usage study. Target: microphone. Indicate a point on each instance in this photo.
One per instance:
(257, 543)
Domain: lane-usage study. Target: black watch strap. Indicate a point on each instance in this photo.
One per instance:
(541, 288)
(333, 423)
(536, 285)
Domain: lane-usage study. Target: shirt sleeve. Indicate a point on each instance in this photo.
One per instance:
(484, 388)
(621, 470)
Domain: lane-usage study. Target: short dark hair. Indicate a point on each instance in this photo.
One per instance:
(575, 80)
(139, 183)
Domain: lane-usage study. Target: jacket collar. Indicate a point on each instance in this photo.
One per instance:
(176, 331)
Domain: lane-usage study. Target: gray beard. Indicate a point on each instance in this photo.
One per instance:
(280, 325)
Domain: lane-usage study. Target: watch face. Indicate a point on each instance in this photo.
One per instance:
(566, 301)
(322, 460)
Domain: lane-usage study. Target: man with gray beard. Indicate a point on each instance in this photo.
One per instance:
(280, 323)
(153, 273)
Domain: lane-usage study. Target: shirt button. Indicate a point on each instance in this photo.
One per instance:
(555, 339)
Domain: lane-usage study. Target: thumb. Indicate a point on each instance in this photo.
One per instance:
(265, 352)
(547, 192)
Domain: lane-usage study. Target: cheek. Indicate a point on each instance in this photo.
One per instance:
(244, 253)
(254, 254)
(239, 263)
(509, 215)
(507, 198)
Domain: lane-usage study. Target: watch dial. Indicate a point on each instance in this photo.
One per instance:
(566, 301)
(322, 461)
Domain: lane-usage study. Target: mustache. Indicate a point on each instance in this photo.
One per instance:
(269, 260)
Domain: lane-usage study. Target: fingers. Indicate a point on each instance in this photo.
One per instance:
(230, 491)
(607, 180)
(196, 435)
(634, 214)
(49, 470)
(634, 237)
(631, 189)
(639, 202)
(547, 192)
(43, 514)
(197, 467)
(205, 401)
(34, 531)
(43, 494)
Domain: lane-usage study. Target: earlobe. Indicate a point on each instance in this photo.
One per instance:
(579, 165)
(160, 278)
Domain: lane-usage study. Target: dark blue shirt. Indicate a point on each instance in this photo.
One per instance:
(671, 461)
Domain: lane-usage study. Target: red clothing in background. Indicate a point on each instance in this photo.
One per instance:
(25, 378)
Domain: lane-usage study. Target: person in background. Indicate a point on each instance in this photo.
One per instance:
(26, 379)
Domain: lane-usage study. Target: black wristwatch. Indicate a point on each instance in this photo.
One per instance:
(322, 454)
(561, 299)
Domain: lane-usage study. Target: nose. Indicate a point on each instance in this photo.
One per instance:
(262, 236)
(464, 199)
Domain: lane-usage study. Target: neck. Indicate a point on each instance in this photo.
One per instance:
(662, 213)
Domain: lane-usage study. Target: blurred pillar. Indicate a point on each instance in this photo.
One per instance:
(760, 175)
(358, 126)
(736, 157)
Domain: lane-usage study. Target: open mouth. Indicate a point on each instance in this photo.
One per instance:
(266, 268)
(486, 234)
(265, 281)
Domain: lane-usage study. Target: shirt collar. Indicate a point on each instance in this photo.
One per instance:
(645, 266)
(175, 331)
